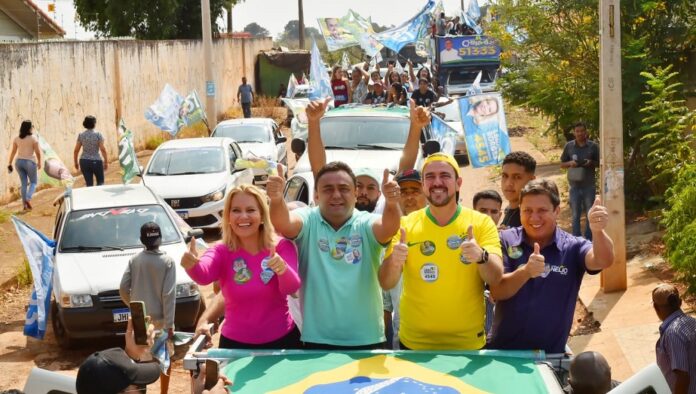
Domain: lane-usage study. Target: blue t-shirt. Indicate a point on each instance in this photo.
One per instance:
(540, 314)
(245, 92)
(341, 297)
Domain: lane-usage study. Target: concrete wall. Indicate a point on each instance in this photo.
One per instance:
(55, 84)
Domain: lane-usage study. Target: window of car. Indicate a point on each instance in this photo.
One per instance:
(244, 133)
(356, 132)
(118, 227)
(297, 190)
(194, 160)
(233, 155)
(467, 76)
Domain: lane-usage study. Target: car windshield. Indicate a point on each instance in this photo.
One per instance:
(244, 133)
(364, 132)
(187, 161)
(467, 76)
(113, 228)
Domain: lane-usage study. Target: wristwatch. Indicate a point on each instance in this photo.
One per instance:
(484, 257)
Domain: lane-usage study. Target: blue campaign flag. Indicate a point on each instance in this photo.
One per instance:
(164, 112)
(485, 129)
(319, 81)
(471, 16)
(408, 32)
(444, 134)
(39, 251)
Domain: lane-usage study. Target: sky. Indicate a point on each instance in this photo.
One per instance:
(275, 14)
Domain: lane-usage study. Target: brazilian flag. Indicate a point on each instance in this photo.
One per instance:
(384, 372)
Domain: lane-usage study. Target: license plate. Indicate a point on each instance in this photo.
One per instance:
(183, 214)
(121, 315)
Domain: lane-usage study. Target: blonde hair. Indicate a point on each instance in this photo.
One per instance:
(266, 230)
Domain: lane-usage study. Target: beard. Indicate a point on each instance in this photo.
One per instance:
(441, 203)
(368, 206)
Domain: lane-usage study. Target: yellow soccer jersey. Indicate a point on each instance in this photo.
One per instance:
(442, 305)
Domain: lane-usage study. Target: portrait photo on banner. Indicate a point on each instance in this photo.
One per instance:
(485, 128)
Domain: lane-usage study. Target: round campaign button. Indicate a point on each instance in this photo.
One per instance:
(429, 272)
(515, 252)
(427, 248)
(323, 245)
(453, 242)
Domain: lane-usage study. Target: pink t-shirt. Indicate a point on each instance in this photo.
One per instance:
(256, 307)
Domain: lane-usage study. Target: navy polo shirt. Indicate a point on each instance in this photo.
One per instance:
(540, 315)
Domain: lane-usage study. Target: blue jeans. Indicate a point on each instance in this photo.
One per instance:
(90, 169)
(27, 177)
(581, 200)
(246, 108)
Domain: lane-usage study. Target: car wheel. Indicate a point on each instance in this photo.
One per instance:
(64, 341)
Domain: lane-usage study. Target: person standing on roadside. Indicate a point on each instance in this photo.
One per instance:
(581, 156)
(26, 147)
(91, 142)
(245, 96)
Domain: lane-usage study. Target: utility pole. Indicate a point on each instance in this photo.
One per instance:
(229, 19)
(611, 140)
(210, 110)
(300, 11)
(462, 1)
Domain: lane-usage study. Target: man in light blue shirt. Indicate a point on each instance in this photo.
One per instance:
(245, 95)
(340, 254)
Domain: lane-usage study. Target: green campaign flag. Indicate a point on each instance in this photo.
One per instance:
(191, 111)
(447, 372)
(126, 154)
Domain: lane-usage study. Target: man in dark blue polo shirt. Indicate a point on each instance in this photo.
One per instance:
(544, 266)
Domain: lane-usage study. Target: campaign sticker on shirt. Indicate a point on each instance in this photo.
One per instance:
(515, 252)
(340, 250)
(429, 272)
(427, 248)
(266, 273)
(464, 260)
(352, 256)
(453, 242)
(323, 245)
(241, 272)
(355, 240)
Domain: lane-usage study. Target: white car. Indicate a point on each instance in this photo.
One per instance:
(257, 138)
(97, 230)
(193, 175)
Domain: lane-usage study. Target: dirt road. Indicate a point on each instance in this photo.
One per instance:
(19, 353)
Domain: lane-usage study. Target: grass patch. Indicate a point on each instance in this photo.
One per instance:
(194, 131)
(4, 215)
(23, 276)
(263, 107)
(153, 142)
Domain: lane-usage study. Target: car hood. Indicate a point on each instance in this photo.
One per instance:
(377, 159)
(181, 186)
(258, 149)
(92, 273)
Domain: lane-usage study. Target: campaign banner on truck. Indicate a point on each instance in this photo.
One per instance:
(467, 49)
(485, 129)
(386, 372)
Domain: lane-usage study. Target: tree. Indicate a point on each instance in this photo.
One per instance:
(256, 30)
(151, 20)
(290, 36)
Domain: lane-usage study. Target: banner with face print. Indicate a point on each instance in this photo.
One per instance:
(485, 129)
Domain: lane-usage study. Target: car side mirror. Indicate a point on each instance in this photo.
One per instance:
(430, 147)
(198, 233)
(297, 146)
(281, 140)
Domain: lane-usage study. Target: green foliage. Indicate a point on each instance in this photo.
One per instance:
(23, 276)
(290, 37)
(256, 30)
(551, 51)
(680, 222)
(665, 128)
(150, 20)
(4, 216)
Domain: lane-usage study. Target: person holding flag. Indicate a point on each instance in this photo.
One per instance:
(256, 273)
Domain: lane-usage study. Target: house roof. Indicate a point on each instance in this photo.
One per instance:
(30, 17)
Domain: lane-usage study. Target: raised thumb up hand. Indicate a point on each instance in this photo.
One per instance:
(190, 258)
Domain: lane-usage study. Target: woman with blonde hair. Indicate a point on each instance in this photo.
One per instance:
(256, 272)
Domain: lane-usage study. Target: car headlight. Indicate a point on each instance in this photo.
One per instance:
(186, 290)
(76, 301)
(214, 196)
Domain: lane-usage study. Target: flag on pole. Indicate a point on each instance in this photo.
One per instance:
(397, 67)
(444, 134)
(164, 112)
(345, 62)
(475, 87)
(319, 81)
(410, 31)
(39, 251)
(54, 172)
(292, 86)
(191, 111)
(127, 158)
(471, 16)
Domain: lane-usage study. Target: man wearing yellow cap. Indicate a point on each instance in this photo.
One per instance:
(446, 252)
